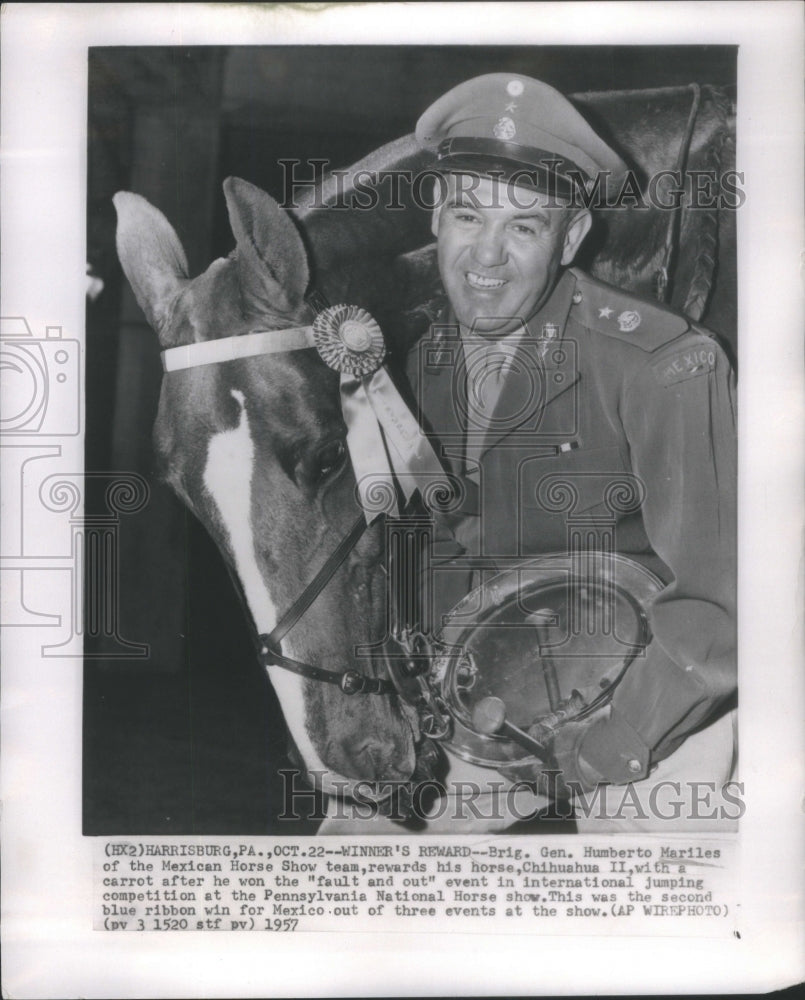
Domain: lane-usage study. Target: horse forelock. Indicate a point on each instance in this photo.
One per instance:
(212, 306)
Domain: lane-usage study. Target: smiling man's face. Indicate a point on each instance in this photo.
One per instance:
(500, 249)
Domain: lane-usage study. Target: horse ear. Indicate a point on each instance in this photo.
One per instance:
(272, 262)
(152, 257)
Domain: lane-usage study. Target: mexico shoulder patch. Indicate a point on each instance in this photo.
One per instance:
(685, 364)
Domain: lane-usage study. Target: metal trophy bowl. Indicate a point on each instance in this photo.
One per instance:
(538, 645)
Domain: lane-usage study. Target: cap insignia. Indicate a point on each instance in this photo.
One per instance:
(504, 129)
(514, 88)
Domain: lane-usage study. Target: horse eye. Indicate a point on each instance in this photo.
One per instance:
(330, 460)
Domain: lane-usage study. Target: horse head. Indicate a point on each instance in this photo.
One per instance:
(255, 447)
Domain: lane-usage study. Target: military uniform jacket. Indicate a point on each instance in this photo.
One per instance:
(620, 418)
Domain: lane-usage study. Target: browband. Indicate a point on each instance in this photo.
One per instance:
(210, 352)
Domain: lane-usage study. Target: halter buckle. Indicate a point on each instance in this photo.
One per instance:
(352, 682)
(270, 651)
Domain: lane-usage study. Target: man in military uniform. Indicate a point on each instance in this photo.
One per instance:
(572, 410)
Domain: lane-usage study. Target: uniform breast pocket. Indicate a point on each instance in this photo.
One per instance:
(584, 481)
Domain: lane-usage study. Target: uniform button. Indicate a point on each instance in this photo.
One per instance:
(634, 765)
(577, 297)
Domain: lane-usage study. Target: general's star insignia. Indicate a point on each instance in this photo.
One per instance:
(604, 313)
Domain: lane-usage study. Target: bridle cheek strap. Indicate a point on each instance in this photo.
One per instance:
(269, 652)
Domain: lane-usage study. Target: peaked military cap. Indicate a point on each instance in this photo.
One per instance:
(518, 129)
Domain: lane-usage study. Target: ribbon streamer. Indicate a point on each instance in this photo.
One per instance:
(386, 445)
(385, 442)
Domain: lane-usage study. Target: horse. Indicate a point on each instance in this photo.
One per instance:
(256, 450)
(255, 447)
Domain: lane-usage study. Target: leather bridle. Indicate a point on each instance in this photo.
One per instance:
(269, 644)
(270, 648)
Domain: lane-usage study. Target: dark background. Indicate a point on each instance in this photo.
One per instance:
(189, 739)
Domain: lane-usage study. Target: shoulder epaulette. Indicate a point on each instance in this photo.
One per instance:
(623, 315)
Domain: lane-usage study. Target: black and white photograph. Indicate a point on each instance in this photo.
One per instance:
(571, 605)
(390, 486)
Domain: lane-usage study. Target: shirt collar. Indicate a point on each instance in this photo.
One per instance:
(554, 311)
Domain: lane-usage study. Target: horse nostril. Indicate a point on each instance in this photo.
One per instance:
(370, 754)
(371, 757)
(376, 761)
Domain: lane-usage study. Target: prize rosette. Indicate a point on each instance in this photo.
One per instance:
(349, 340)
(386, 446)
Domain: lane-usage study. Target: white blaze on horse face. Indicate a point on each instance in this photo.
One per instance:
(230, 461)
